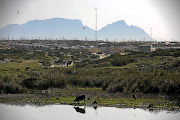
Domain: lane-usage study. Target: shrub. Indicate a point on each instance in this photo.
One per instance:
(29, 83)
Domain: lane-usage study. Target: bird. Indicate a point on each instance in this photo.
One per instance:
(17, 12)
(134, 97)
(150, 106)
(83, 27)
(95, 102)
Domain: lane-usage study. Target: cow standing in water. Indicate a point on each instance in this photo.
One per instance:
(78, 98)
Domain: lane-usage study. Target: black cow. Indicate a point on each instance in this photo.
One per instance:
(27, 68)
(78, 98)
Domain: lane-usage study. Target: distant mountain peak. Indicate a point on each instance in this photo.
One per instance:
(117, 24)
(55, 20)
(121, 30)
(71, 29)
(121, 23)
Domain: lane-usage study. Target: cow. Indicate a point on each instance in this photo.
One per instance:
(27, 68)
(78, 98)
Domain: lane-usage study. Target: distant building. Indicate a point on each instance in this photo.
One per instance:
(116, 50)
(145, 48)
(93, 50)
(4, 45)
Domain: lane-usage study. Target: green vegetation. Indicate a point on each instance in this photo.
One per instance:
(160, 59)
(14, 68)
(137, 73)
(18, 54)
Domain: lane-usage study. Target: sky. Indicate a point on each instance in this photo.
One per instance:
(160, 15)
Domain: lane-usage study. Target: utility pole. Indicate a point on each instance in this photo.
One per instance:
(96, 26)
(24, 36)
(151, 33)
(8, 35)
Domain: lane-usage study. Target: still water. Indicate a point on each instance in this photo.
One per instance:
(68, 112)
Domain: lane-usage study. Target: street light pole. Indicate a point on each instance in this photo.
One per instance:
(96, 26)
(8, 35)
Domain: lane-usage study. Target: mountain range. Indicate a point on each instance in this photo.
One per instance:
(61, 28)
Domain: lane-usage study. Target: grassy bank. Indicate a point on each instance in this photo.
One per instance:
(102, 98)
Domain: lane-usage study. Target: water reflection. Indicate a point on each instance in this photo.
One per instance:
(95, 107)
(22, 104)
(80, 110)
(83, 110)
(19, 111)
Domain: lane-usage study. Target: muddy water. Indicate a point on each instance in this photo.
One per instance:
(68, 112)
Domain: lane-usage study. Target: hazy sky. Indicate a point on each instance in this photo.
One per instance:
(162, 15)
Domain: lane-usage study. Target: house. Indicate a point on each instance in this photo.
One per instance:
(4, 45)
(145, 48)
(93, 50)
(116, 50)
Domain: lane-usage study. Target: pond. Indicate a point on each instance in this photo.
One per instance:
(69, 112)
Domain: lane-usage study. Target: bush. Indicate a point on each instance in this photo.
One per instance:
(109, 79)
(29, 83)
(121, 60)
(116, 88)
(9, 84)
